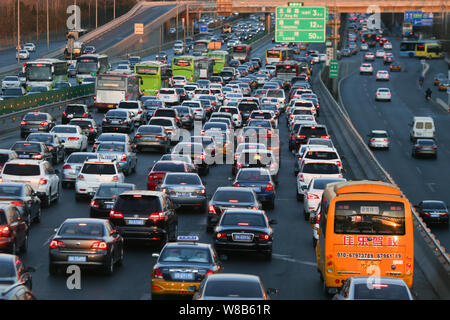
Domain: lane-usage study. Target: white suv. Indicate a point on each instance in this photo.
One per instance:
(135, 109)
(366, 68)
(93, 173)
(40, 175)
(311, 169)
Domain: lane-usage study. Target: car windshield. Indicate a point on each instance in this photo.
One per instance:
(184, 254)
(320, 184)
(27, 147)
(433, 206)
(233, 196)
(10, 191)
(7, 267)
(116, 114)
(380, 291)
(369, 217)
(321, 155)
(111, 147)
(233, 288)
(168, 167)
(80, 158)
(165, 113)
(161, 122)
(141, 204)
(150, 129)
(18, 169)
(98, 168)
(128, 105)
(110, 191)
(81, 123)
(379, 135)
(321, 168)
(243, 219)
(60, 129)
(35, 117)
(425, 142)
(83, 229)
(185, 179)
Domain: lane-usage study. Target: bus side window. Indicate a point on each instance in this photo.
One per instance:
(323, 214)
(421, 47)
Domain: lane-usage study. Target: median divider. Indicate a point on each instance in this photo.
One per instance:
(430, 256)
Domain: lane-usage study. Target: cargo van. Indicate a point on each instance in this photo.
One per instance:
(422, 127)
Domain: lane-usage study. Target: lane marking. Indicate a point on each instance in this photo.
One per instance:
(430, 186)
(418, 170)
(289, 259)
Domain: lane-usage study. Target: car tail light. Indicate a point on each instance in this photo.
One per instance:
(65, 167)
(157, 273)
(99, 245)
(105, 120)
(212, 210)
(325, 137)
(80, 177)
(301, 178)
(23, 122)
(339, 163)
(269, 187)
(36, 156)
(301, 136)
(18, 203)
(115, 214)
(57, 244)
(124, 157)
(6, 232)
(74, 138)
(44, 123)
(91, 129)
(157, 216)
(95, 204)
(95, 98)
(115, 178)
(43, 181)
(264, 237)
(312, 196)
(221, 235)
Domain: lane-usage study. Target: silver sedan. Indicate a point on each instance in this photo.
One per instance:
(120, 152)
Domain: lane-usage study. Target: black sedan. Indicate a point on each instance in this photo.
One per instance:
(117, 121)
(244, 230)
(433, 211)
(53, 144)
(86, 242)
(32, 150)
(24, 198)
(228, 198)
(105, 197)
(36, 121)
(425, 147)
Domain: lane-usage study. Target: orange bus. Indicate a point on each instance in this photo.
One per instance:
(365, 229)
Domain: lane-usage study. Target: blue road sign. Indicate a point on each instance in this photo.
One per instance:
(203, 27)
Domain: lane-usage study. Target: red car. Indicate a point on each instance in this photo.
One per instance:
(13, 230)
(159, 170)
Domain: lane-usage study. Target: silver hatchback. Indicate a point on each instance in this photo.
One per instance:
(378, 139)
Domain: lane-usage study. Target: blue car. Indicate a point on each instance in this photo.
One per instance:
(260, 180)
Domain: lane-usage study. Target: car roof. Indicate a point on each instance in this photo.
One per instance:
(379, 131)
(24, 161)
(86, 220)
(144, 192)
(387, 280)
(233, 276)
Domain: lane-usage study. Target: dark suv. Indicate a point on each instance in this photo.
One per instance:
(36, 122)
(75, 111)
(310, 131)
(145, 215)
(14, 235)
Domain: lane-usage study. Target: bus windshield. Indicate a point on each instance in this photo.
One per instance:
(369, 217)
(87, 66)
(273, 54)
(39, 72)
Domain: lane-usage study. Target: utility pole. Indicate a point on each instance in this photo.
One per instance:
(18, 31)
(37, 20)
(48, 31)
(114, 9)
(176, 32)
(96, 14)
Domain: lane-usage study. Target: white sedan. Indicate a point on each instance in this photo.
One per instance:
(22, 54)
(387, 46)
(30, 47)
(366, 68)
(71, 137)
(383, 94)
(383, 75)
(379, 54)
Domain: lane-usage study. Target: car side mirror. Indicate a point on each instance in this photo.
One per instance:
(155, 255)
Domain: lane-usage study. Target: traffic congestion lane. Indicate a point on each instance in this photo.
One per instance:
(420, 179)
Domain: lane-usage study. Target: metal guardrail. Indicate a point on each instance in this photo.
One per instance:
(437, 264)
(40, 99)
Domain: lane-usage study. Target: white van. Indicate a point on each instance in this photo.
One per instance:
(422, 127)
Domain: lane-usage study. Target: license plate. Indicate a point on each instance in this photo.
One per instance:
(149, 139)
(435, 215)
(33, 129)
(183, 276)
(135, 222)
(109, 205)
(77, 259)
(115, 122)
(24, 156)
(257, 189)
(183, 194)
(242, 237)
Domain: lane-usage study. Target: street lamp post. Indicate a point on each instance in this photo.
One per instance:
(48, 32)
(18, 31)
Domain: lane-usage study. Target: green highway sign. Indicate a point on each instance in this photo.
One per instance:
(295, 4)
(334, 69)
(300, 24)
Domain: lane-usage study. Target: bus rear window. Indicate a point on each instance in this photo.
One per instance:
(147, 70)
(369, 217)
(273, 54)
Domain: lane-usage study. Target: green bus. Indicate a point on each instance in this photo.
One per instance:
(45, 72)
(185, 66)
(220, 58)
(153, 75)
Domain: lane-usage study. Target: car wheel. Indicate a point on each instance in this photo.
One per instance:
(47, 200)
(78, 197)
(305, 215)
(108, 269)
(57, 196)
(13, 249)
(173, 233)
(268, 256)
(299, 197)
(134, 168)
(120, 261)
(65, 184)
(24, 246)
